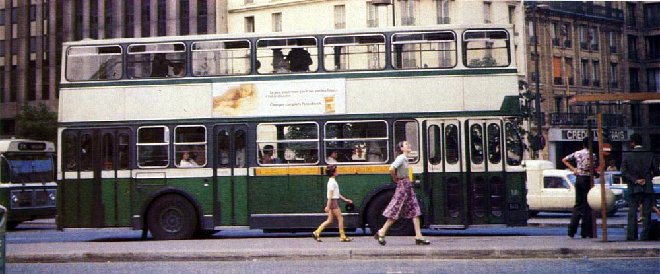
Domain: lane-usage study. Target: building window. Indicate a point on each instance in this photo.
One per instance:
(340, 17)
(570, 71)
(653, 76)
(202, 17)
(585, 72)
(634, 79)
(632, 47)
(651, 18)
(593, 38)
(372, 15)
(567, 34)
(277, 21)
(184, 17)
(584, 40)
(129, 19)
(554, 32)
(408, 12)
(94, 20)
(249, 24)
(109, 24)
(613, 41)
(442, 10)
(630, 15)
(558, 78)
(614, 75)
(596, 73)
(487, 13)
(162, 18)
(146, 18)
(653, 45)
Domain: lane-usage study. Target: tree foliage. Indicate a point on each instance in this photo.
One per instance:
(37, 122)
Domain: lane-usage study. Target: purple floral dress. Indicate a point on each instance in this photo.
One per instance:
(404, 202)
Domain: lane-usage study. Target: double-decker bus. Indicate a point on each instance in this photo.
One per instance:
(27, 180)
(181, 136)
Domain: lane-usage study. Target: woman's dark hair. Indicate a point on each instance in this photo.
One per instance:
(399, 147)
(330, 170)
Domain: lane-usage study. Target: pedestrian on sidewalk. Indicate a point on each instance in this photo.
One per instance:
(404, 202)
(581, 209)
(637, 169)
(332, 206)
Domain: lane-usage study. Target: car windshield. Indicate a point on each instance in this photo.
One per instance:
(27, 168)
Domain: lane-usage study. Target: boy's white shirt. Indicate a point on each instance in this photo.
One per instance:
(333, 189)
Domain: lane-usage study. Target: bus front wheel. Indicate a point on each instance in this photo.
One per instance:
(375, 218)
(172, 217)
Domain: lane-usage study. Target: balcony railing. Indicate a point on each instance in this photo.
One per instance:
(580, 119)
(586, 9)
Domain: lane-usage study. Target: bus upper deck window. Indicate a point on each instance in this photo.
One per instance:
(354, 52)
(483, 48)
(287, 55)
(94, 63)
(156, 60)
(211, 58)
(424, 50)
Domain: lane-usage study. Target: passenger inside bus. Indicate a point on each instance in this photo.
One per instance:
(299, 60)
(187, 160)
(159, 65)
(280, 65)
(267, 155)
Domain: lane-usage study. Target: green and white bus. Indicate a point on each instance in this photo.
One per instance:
(182, 136)
(27, 180)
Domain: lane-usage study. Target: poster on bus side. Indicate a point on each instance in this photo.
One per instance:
(282, 98)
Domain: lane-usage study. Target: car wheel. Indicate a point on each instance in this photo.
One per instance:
(172, 217)
(375, 218)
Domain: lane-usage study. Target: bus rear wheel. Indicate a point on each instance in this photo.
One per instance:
(375, 218)
(172, 217)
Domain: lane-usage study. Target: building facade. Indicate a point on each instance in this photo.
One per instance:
(584, 47)
(32, 32)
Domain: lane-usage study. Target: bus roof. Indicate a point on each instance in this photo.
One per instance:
(89, 41)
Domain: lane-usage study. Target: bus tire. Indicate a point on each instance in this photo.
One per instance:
(375, 218)
(172, 217)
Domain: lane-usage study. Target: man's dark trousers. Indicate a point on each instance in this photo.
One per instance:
(646, 200)
(581, 209)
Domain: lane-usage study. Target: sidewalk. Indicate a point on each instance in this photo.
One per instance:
(305, 248)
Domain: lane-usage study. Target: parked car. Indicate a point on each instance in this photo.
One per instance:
(553, 190)
(615, 181)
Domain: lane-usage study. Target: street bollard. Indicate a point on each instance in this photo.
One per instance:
(3, 230)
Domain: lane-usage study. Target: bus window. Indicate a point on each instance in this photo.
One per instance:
(108, 152)
(355, 52)
(123, 151)
(211, 58)
(69, 151)
(494, 149)
(364, 142)
(190, 140)
(408, 131)
(93, 63)
(514, 147)
(476, 144)
(435, 145)
(420, 50)
(241, 144)
(156, 60)
(285, 55)
(153, 146)
(86, 152)
(294, 143)
(452, 149)
(486, 49)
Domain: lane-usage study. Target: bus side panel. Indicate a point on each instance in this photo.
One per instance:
(199, 188)
(78, 209)
(439, 201)
(117, 214)
(233, 199)
(456, 189)
(516, 199)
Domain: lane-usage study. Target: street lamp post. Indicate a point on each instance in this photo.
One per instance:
(537, 97)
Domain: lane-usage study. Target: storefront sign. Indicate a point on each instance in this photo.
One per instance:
(279, 98)
(616, 135)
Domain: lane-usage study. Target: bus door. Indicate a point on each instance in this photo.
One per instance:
(230, 175)
(445, 174)
(486, 182)
(95, 176)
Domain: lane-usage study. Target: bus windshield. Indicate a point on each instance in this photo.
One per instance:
(27, 168)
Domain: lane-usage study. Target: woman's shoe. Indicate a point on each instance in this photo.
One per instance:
(345, 240)
(422, 242)
(316, 236)
(380, 239)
